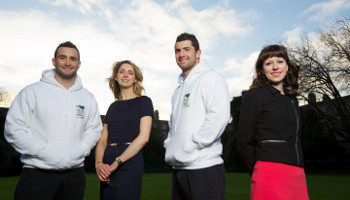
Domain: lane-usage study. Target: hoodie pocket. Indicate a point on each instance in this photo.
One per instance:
(180, 150)
(189, 153)
(63, 154)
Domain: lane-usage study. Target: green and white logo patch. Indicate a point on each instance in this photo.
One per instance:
(80, 111)
(186, 100)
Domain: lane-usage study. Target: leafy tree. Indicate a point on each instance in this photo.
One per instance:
(229, 138)
(321, 149)
(9, 158)
(156, 115)
(154, 152)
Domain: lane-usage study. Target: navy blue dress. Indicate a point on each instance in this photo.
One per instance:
(123, 119)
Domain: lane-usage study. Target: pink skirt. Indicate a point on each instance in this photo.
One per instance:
(277, 181)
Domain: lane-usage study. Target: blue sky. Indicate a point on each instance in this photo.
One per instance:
(230, 32)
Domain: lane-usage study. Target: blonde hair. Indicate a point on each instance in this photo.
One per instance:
(114, 85)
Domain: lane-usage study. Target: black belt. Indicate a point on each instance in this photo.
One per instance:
(118, 144)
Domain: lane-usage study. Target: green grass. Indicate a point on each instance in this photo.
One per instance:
(321, 186)
(328, 186)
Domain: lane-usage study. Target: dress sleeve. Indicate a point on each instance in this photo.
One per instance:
(106, 118)
(146, 107)
(248, 119)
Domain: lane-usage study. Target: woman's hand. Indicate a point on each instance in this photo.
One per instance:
(103, 172)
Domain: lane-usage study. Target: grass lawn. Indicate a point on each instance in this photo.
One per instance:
(321, 186)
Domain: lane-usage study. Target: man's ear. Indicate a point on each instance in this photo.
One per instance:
(198, 53)
(53, 62)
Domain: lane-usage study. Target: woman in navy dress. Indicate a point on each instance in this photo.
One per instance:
(126, 129)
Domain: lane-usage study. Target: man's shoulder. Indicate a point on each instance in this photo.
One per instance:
(87, 93)
(214, 73)
(31, 87)
(209, 72)
(211, 76)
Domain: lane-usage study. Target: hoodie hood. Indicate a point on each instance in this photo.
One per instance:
(194, 73)
(48, 77)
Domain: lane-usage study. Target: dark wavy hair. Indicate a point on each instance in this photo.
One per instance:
(290, 82)
(114, 85)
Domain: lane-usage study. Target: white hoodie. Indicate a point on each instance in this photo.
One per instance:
(53, 128)
(200, 113)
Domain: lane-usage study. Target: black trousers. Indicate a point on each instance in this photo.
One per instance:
(37, 184)
(200, 184)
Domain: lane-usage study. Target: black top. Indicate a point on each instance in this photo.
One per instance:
(123, 118)
(269, 128)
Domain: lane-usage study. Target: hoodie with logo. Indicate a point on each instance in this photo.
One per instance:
(200, 113)
(53, 128)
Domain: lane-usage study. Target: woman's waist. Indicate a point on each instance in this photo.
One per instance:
(290, 156)
(120, 140)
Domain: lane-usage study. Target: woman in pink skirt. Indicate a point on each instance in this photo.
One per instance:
(269, 129)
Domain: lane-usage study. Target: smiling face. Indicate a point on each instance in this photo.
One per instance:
(275, 69)
(66, 63)
(126, 76)
(186, 56)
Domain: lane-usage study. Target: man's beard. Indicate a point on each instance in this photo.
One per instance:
(65, 76)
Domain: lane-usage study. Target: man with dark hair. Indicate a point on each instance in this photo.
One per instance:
(200, 113)
(191, 37)
(54, 124)
(69, 45)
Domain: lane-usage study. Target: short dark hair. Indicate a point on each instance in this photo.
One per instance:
(191, 37)
(67, 44)
(290, 82)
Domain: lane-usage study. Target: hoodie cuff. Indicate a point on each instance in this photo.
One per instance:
(85, 149)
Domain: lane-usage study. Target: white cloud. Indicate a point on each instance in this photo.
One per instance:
(293, 36)
(322, 10)
(214, 21)
(142, 31)
(84, 6)
(225, 2)
(68, 3)
(32, 37)
(243, 69)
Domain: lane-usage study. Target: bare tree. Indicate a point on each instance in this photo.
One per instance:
(3, 95)
(324, 60)
(337, 40)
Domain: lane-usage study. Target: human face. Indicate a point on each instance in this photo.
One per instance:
(66, 63)
(126, 76)
(186, 56)
(275, 69)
